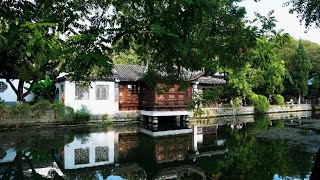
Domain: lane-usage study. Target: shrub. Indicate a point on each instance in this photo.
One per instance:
(39, 109)
(238, 101)
(15, 112)
(57, 105)
(197, 112)
(57, 108)
(44, 90)
(1, 101)
(82, 115)
(252, 98)
(278, 99)
(67, 114)
(5, 111)
(22, 110)
(107, 122)
(261, 105)
(63, 113)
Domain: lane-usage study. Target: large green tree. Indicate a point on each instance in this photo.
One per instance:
(31, 43)
(183, 34)
(27, 53)
(287, 51)
(172, 36)
(299, 70)
(264, 71)
(268, 67)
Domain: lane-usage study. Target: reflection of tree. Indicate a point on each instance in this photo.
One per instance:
(35, 147)
(16, 169)
(261, 123)
(250, 158)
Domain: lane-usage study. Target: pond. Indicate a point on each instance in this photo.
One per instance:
(245, 147)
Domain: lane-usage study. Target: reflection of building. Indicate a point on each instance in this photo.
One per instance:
(127, 144)
(178, 172)
(172, 148)
(95, 150)
(129, 171)
(205, 141)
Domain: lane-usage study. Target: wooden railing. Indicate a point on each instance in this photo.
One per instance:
(165, 105)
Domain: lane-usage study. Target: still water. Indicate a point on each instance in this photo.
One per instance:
(208, 149)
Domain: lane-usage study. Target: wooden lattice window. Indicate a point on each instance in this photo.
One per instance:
(102, 153)
(3, 87)
(136, 89)
(81, 92)
(102, 92)
(81, 156)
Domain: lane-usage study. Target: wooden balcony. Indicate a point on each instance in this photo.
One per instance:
(176, 105)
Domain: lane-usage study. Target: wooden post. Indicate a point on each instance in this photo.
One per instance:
(155, 120)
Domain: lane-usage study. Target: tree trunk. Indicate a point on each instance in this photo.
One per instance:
(299, 98)
(19, 90)
(20, 97)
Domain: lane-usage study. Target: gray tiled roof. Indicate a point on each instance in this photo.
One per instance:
(125, 72)
(211, 80)
(128, 72)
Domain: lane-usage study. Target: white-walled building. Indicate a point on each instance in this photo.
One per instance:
(8, 95)
(99, 97)
(96, 150)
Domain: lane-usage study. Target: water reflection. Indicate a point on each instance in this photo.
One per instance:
(207, 149)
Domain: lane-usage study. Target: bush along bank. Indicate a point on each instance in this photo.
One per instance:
(255, 104)
(49, 113)
(42, 112)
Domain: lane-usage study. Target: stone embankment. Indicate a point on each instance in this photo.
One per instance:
(216, 112)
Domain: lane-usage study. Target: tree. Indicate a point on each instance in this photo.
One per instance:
(31, 44)
(264, 74)
(299, 70)
(27, 53)
(286, 52)
(129, 55)
(269, 68)
(313, 52)
(192, 35)
(307, 10)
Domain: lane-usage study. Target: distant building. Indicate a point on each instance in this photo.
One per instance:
(126, 91)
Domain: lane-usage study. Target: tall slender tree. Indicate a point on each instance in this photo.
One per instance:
(299, 70)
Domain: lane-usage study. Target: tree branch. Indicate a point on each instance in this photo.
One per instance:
(12, 86)
(29, 90)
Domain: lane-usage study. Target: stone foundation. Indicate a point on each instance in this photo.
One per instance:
(216, 112)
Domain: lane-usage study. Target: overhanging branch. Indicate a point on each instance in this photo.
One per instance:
(12, 86)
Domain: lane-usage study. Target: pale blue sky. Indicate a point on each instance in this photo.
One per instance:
(289, 22)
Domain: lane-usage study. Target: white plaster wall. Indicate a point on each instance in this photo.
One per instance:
(95, 106)
(95, 140)
(9, 96)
